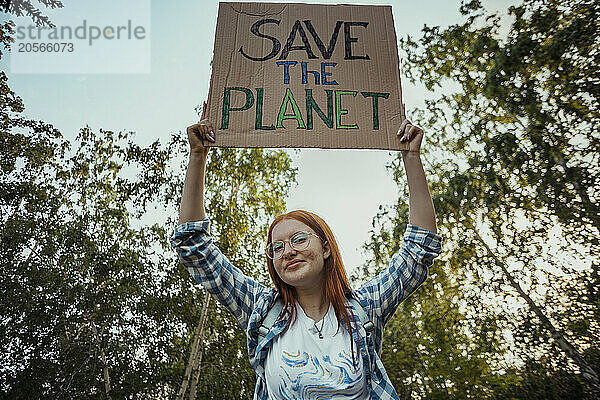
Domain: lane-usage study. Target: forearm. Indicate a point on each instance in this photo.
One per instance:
(192, 199)
(421, 211)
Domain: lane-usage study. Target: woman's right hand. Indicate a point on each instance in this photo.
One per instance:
(199, 133)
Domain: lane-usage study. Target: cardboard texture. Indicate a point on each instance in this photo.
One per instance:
(300, 75)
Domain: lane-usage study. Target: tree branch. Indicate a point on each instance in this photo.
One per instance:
(586, 370)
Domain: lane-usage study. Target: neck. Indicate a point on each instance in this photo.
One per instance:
(314, 302)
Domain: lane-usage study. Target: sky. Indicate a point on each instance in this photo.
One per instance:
(345, 187)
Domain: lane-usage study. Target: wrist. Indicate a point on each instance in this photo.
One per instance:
(197, 157)
(411, 155)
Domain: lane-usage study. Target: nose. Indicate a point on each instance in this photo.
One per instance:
(288, 250)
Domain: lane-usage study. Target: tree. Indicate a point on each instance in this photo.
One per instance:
(442, 342)
(515, 153)
(245, 187)
(530, 101)
(94, 302)
(78, 279)
(25, 8)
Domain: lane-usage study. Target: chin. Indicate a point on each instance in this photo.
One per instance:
(295, 281)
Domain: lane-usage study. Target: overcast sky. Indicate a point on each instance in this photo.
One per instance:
(345, 187)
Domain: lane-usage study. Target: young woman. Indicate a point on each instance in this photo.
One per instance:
(326, 342)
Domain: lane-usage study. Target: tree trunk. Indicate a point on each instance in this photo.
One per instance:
(194, 349)
(190, 363)
(103, 358)
(586, 370)
(198, 362)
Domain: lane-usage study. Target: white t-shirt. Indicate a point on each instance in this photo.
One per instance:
(300, 365)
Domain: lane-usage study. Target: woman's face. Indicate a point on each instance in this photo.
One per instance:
(302, 269)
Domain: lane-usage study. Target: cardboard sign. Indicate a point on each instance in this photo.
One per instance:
(300, 75)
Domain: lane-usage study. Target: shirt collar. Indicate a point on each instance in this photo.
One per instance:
(309, 323)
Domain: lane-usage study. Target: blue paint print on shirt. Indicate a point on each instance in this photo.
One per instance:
(304, 376)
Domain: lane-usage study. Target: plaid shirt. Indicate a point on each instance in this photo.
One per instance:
(249, 301)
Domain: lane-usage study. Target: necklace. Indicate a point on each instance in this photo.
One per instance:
(319, 330)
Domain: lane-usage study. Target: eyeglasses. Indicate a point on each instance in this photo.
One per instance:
(299, 241)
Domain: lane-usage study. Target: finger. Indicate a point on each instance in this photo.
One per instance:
(207, 123)
(204, 137)
(406, 132)
(403, 127)
(210, 128)
(194, 130)
(198, 131)
(208, 133)
(204, 130)
(411, 133)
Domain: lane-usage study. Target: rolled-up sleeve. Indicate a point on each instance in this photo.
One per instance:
(407, 271)
(211, 268)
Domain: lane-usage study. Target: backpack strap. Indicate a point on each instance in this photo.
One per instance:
(367, 324)
(269, 320)
(362, 315)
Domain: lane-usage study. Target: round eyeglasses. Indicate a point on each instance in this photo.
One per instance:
(299, 241)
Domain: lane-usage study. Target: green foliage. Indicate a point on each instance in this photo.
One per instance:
(25, 8)
(526, 116)
(90, 286)
(440, 343)
(512, 151)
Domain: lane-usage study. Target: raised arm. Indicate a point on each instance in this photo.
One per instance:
(409, 267)
(192, 200)
(194, 245)
(421, 211)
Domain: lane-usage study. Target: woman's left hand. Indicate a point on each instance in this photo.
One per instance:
(411, 134)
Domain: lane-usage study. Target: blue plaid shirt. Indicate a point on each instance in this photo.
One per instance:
(249, 301)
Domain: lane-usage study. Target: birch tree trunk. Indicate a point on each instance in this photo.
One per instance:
(190, 363)
(103, 358)
(586, 370)
(198, 361)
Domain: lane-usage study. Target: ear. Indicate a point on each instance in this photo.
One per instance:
(326, 250)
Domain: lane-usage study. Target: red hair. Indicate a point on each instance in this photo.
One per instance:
(337, 288)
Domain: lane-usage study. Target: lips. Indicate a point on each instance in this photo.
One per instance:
(293, 263)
